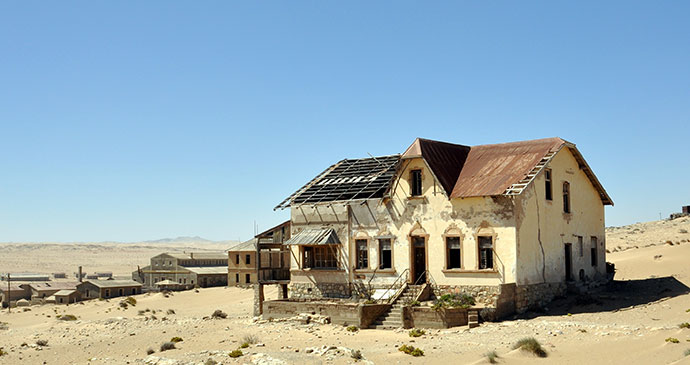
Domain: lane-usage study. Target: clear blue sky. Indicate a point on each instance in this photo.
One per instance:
(141, 120)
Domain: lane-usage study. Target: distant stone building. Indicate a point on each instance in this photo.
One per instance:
(44, 290)
(67, 296)
(23, 276)
(104, 289)
(242, 263)
(189, 269)
(12, 294)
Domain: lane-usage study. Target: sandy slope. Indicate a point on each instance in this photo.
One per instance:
(627, 324)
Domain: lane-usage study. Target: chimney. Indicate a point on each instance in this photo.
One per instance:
(80, 275)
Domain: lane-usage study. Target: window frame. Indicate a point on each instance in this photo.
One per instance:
(548, 184)
(359, 265)
(447, 250)
(594, 251)
(380, 252)
(247, 259)
(567, 207)
(416, 185)
(479, 252)
(320, 258)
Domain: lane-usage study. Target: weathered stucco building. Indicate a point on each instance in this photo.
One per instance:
(511, 224)
(242, 263)
(188, 269)
(104, 289)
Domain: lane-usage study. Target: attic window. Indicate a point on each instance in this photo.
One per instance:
(416, 182)
(547, 183)
(566, 197)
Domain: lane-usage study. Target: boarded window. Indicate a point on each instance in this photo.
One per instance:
(566, 197)
(593, 251)
(248, 259)
(385, 254)
(453, 253)
(486, 252)
(416, 182)
(362, 254)
(547, 183)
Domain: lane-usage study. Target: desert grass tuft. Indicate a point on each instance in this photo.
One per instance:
(352, 328)
(672, 340)
(176, 339)
(415, 332)
(530, 344)
(491, 357)
(235, 353)
(250, 339)
(219, 314)
(684, 325)
(411, 350)
(167, 346)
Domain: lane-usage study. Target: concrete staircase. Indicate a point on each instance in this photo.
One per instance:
(393, 318)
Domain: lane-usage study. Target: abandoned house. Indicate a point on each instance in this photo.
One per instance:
(104, 289)
(188, 269)
(12, 293)
(273, 259)
(67, 296)
(510, 224)
(44, 290)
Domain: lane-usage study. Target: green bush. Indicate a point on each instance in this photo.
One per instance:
(131, 301)
(2, 352)
(411, 350)
(244, 345)
(491, 357)
(67, 317)
(235, 353)
(416, 332)
(684, 325)
(453, 301)
(530, 344)
(672, 340)
(176, 339)
(352, 328)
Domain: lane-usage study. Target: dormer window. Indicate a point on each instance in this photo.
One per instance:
(416, 183)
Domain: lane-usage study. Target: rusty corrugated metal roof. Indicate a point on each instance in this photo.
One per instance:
(490, 169)
(444, 159)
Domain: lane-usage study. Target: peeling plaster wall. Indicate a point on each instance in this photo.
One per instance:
(557, 228)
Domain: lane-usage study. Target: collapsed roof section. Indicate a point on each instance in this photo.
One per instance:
(347, 180)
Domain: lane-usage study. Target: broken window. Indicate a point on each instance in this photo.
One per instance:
(385, 254)
(319, 257)
(362, 254)
(547, 183)
(237, 259)
(453, 253)
(416, 182)
(581, 246)
(566, 197)
(486, 252)
(247, 259)
(593, 251)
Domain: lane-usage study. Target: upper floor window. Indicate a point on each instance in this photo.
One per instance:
(248, 259)
(237, 259)
(362, 254)
(547, 183)
(416, 182)
(486, 252)
(566, 197)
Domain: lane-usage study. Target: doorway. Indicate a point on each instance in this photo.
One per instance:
(568, 262)
(418, 260)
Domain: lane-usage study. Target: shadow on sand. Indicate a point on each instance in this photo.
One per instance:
(615, 296)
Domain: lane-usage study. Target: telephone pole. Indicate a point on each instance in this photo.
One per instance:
(9, 294)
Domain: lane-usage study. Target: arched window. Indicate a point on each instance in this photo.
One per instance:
(566, 197)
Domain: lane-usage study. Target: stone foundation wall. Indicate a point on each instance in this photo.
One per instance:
(537, 295)
(499, 300)
(319, 290)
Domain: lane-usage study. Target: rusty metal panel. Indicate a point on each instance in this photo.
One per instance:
(491, 169)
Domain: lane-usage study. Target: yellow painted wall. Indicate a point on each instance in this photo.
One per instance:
(242, 268)
(557, 228)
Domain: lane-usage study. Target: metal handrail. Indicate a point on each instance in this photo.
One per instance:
(404, 273)
(428, 279)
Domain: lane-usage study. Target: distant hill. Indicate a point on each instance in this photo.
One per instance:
(182, 239)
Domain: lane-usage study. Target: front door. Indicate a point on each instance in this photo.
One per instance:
(419, 260)
(568, 262)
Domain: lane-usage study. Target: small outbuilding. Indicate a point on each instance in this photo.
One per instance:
(104, 289)
(67, 296)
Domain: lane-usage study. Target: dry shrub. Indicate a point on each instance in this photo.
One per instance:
(530, 344)
(167, 346)
(219, 314)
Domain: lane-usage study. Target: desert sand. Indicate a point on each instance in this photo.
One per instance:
(626, 324)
